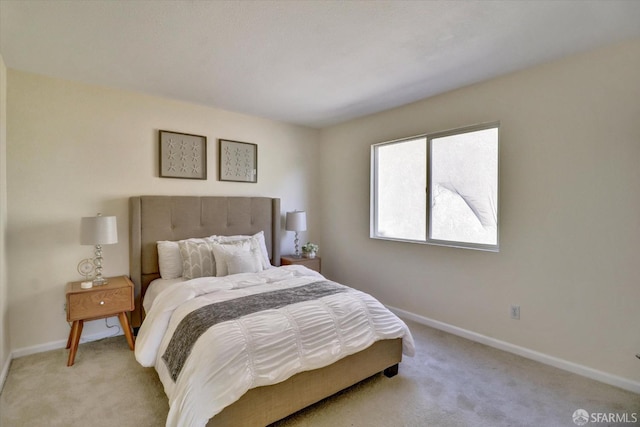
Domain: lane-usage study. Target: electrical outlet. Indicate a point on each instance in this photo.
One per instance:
(64, 308)
(515, 312)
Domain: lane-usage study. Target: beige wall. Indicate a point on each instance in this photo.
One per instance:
(569, 206)
(570, 211)
(4, 324)
(75, 150)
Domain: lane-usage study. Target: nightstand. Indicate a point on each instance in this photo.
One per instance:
(311, 263)
(98, 302)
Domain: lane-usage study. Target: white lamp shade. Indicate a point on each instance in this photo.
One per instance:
(98, 230)
(296, 221)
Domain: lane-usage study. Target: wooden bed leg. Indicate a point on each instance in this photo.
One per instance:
(391, 371)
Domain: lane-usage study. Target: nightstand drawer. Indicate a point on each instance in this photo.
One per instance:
(98, 303)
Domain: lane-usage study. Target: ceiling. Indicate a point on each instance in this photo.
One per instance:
(313, 63)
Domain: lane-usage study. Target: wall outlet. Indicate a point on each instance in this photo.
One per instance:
(515, 312)
(64, 308)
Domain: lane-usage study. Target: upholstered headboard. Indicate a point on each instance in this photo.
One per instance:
(154, 218)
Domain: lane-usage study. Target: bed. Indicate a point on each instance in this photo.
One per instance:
(174, 218)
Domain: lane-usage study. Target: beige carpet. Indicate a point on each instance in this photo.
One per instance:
(451, 382)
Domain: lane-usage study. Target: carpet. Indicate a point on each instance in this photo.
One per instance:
(450, 382)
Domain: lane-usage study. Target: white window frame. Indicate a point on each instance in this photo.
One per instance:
(373, 231)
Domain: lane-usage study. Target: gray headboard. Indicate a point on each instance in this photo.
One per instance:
(153, 218)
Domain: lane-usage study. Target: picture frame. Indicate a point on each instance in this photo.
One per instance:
(238, 161)
(182, 155)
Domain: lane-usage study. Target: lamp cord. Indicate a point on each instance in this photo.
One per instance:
(117, 325)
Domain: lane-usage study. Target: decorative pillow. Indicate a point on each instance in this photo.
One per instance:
(259, 242)
(245, 262)
(197, 259)
(224, 251)
(170, 259)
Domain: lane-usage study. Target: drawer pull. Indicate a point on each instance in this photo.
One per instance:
(101, 302)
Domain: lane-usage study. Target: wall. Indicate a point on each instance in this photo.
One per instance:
(4, 324)
(74, 150)
(569, 214)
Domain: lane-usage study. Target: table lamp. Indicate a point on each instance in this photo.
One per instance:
(296, 221)
(98, 230)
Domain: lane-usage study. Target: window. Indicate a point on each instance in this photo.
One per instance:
(439, 189)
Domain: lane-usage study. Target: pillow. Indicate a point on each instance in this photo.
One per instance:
(170, 259)
(245, 262)
(259, 241)
(197, 259)
(224, 251)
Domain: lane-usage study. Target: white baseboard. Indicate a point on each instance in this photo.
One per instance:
(575, 368)
(4, 373)
(55, 345)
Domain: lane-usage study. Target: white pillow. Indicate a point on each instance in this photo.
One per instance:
(169, 258)
(224, 251)
(197, 259)
(245, 262)
(259, 241)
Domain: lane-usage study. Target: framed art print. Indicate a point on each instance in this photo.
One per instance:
(183, 155)
(238, 161)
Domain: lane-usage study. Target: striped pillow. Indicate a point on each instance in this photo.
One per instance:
(197, 259)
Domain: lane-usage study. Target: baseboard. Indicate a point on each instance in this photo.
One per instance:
(4, 373)
(575, 368)
(55, 345)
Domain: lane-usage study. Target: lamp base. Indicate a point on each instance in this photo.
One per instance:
(296, 241)
(98, 281)
(97, 261)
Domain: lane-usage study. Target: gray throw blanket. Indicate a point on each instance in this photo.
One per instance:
(194, 324)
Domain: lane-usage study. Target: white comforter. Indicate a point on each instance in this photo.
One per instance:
(261, 348)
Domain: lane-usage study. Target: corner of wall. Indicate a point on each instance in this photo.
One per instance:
(5, 354)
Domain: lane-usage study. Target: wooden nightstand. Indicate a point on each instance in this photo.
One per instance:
(312, 263)
(98, 302)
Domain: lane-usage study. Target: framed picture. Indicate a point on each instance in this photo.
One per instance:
(238, 161)
(183, 155)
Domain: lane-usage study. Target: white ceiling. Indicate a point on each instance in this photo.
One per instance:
(314, 63)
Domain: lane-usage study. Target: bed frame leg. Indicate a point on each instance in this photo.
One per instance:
(391, 371)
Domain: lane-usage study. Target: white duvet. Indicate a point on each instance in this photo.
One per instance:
(261, 348)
